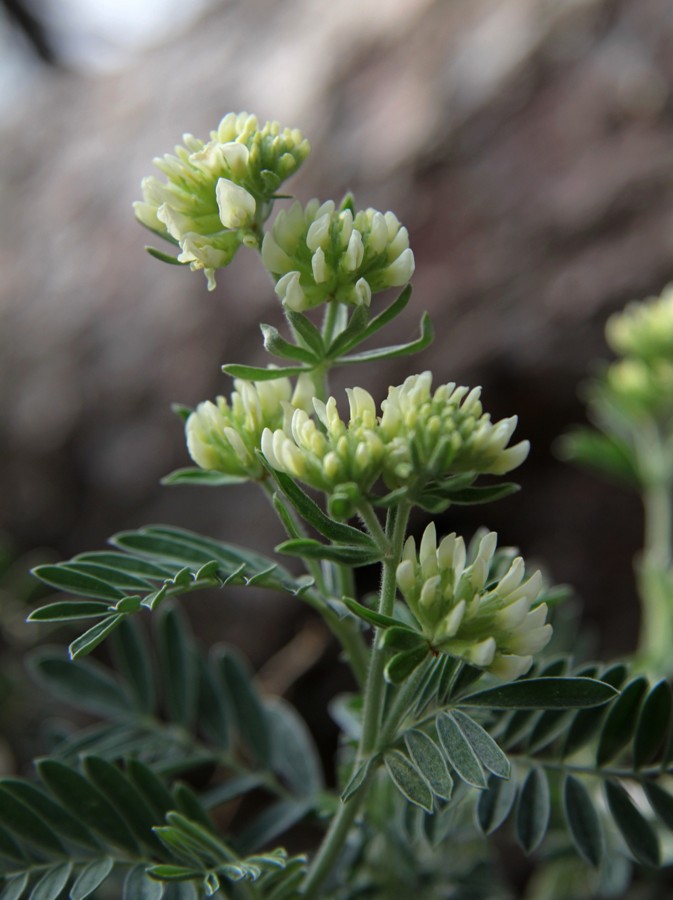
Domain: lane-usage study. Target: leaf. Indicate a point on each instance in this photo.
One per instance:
(355, 555)
(605, 453)
(370, 615)
(495, 803)
(586, 722)
(306, 332)
(345, 341)
(408, 780)
(637, 832)
(620, 721)
(429, 760)
(133, 660)
(254, 373)
(124, 562)
(67, 610)
(246, 704)
(214, 715)
(356, 780)
(84, 800)
(459, 751)
(543, 693)
(64, 824)
(151, 787)
(139, 886)
(82, 683)
(473, 496)
(396, 351)
(293, 752)
(178, 667)
(549, 725)
(532, 810)
(352, 334)
(400, 667)
(661, 802)
(23, 822)
(278, 346)
(164, 257)
(91, 877)
(66, 578)
(14, 887)
(111, 575)
(274, 821)
(486, 749)
(400, 637)
(654, 722)
(9, 848)
(311, 513)
(582, 820)
(52, 882)
(86, 642)
(202, 478)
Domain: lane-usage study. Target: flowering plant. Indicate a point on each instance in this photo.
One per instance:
(457, 723)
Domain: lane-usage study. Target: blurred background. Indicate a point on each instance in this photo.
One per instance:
(526, 144)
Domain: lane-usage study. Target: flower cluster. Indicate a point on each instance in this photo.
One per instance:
(419, 438)
(644, 330)
(224, 436)
(430, 436)
(321, 253)
(219, 191)
(466, 608)
(640, 387)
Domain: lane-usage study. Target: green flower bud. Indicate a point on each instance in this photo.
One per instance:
(225, 436)
(319, 253)
(219, 192)
(325, 452)
(644, 329)
(466, 609)
(642, 389)
(431, 436)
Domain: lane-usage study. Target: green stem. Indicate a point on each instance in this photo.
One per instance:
(373, 708)
(371, 521)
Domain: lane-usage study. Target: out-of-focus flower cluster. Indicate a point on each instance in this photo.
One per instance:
(474, 608)
(219, 192)
(225, 436)
(320, 253)
(419, 438)
(644, 329)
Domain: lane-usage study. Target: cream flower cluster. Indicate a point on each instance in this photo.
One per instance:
(225, 436)
(321, 253)
(435, 435)
(418, 438)
(465, 610)
(644, 330)
(219, 191)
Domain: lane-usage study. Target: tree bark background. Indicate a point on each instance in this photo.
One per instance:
(528, 147)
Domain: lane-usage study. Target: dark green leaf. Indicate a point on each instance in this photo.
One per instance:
(532, 810)
(52, 882)
(52, 814)
(172, 873)
(67, 610)
(605, 453)
(254, 373)
(111, 575)
(620, 721)
(83, 683)
(661, 802)
(355, 555)
(654, 722)
(547, 728)
(178, 667)
(246, 704)
(139, 886)
(278, 346)
(425, 339)
(345, 341)
(306, 332)
(124, 562)
(400, 667)
(356, 780)
(65, 578)
(311, 513)
(370, 615)
(586, 722)
(9, 849)
(408, 780)
(486, 749)
(25, 824)
(429, 760)
(125, 798)
(202, 478)
(472, 496)
(133, 660)
(91, 877)
(293, 752)
(274, 821)
(583, 822)
(165, 257)
(459, 751)
(495, 803)
(214, 715)
(231, 789)
(82, 799)
(151, 787)
(15, 887)
(191, 815)
(543, 693)
(400, 637)
(639, 835)
(86, 642)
